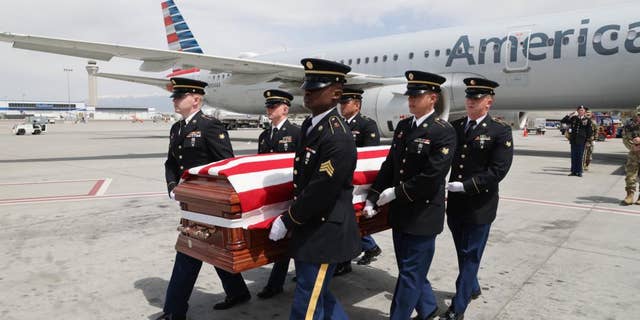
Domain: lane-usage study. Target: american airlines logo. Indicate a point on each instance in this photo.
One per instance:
(606, 41)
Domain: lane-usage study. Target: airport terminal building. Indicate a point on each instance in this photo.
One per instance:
(72, 110)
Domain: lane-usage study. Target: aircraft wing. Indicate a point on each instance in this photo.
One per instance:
(158, 82)
(244, 71)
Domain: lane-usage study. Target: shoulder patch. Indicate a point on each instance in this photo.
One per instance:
(500, 121)
(335, 124)
(442, 122)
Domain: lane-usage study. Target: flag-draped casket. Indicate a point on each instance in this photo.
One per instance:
(228, 206)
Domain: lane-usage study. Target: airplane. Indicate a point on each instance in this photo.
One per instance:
(547, 62)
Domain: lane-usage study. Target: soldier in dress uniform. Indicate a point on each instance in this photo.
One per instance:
(482, 159)
(579, 132)
(412, 180)
(631, 140)
(365, 134)
(321, 218)
(282, 136)
(194, 141)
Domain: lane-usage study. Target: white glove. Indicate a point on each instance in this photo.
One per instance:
(368, 210)
(278, 230)
(388, 195)
(455, 186)
(172, 195)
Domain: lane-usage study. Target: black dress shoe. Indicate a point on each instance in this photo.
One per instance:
(230, 302)
(476, 295)
(268, 292)
(429, 317)
(451, 315)
(572, 174)
(342, 269)
(369, 255)
(169, 316)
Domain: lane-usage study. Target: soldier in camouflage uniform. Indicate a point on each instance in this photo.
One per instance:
(588, 147)
(631, 140)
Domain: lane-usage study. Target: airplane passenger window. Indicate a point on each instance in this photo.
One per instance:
(366, 60)
(342, 61)
(375, 59)
(437, 52)
(395, 57)
(384, 58)
(358, 61)
(426, 53)
(448, 52)
(410, 55)
(350, 61)
(565, 41)
(550, 42)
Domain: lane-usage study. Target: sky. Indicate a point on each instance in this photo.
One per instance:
(226, 28)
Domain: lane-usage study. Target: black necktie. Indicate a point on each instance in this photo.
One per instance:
(305, 126)
(182, 125)
(414, 125)
(470, 126)
(274, 135)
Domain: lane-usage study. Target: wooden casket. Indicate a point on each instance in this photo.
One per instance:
(227, 207)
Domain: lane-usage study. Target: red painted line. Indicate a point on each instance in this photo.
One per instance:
(571, 205)
(96, 187)
(44, 182)
(39, 198)
(81, 198)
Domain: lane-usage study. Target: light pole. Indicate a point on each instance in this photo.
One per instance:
(68, 71)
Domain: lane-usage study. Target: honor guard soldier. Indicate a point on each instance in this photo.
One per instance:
(321, 218)
(579, 132)
(588, 147)
(283, 136)
(196, 140)
(482, 159)
(365, 134)
(412, 180)
(631, 140)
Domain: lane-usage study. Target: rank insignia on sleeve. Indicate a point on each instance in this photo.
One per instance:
(445, 151)
(327, 167)
(221, 136)
(508, 144)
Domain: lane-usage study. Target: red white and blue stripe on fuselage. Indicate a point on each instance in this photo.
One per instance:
(179, 36)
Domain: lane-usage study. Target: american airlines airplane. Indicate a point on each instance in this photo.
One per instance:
(548, 62)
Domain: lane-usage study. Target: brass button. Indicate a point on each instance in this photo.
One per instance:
(401, 171)
(179, 147)
(404, 160)
(295, 197)
(297, 159)
(426, 201)
(295, 171)
(180, 157)
(462, 156)
(322, 218)
(464, 146)
(295, 185)
(406, 149)
(459, 176)
(181, 168)
(487, 190)
(461, 166)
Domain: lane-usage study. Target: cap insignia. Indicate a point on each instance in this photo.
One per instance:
(410, 76)
(173, 81)
(221, 136)
(445, 151)
(309, 65)
(472, 82)
(268, 93)
(508, 144)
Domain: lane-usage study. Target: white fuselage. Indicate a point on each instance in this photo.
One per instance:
(550, 62)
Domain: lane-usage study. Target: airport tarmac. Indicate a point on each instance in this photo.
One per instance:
(88, 232)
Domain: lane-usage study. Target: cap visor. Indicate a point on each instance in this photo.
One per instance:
(414, 92)
(314, 85)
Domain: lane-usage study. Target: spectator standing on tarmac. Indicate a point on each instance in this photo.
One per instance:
(579, 132)
(631, 140)
(588, 147)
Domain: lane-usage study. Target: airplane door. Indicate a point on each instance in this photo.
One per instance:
(516, 50)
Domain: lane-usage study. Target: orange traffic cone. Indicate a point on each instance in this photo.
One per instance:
(525, 132)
